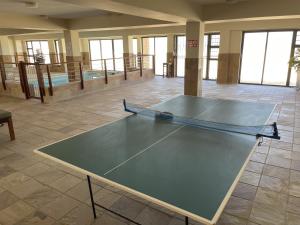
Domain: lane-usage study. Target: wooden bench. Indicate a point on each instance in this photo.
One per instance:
(5, 117)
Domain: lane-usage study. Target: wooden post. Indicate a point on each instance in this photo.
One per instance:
(3, 75)
(11, 129)
(141, 65)
(81, 76)
(23, 79)
(153, 62)
(105, 71)
(49, 81)
(125, 68)
(40, 79)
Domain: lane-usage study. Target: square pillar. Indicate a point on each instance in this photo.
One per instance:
(194, 57)
(85, 51)
(127, 50)
(73, 54)
(52, 51)
(170, 55)
(7, 53)
(139, 45)
(229, 57)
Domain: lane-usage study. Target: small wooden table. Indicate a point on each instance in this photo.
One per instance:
(5, 117)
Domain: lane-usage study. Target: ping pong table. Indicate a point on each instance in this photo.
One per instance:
(189, 170)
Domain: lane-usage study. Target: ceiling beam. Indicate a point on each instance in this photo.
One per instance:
(112, 22)
(167, 10)
(18, 21)
(251, 9)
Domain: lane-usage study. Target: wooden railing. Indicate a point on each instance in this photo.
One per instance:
(35, 78)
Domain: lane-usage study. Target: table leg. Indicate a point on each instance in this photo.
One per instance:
(11, 129)
(91, 195)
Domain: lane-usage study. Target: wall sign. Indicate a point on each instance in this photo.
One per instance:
(193, 44)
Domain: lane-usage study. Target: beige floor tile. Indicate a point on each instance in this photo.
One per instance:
(293, 205)
(7, 199)
(274, 184)
(107, 219)
(13, 179)
(271, 198)
(6, 170)
(250, 178)
(267, 215)
(255, 167)
(280, 153)
(105, 197)
(65, 183)
(81, 215)
(245, 191)
(274, 171)
(258, 157)
(295, 165)
(15, 213)
(59, 207)
(36, 218)
(278, 161)
(238, 207)
(150, 216)
(41, 197)
(231, 220)
(81, 191)
(27, 188)
(294, 186)
(293, 219)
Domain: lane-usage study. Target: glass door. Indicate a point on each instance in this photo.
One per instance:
(180, 55)
(161, 48)
(253, 57)
(156, 46)
(277, 58)
(265, 58)
(211, 56)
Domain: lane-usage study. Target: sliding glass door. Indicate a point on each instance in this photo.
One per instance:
(180, 55)
(265, 58)
(253, 57)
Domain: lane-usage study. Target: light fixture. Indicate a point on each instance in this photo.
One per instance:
(31, 4)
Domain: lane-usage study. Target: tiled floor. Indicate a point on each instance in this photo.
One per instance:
(37, 191)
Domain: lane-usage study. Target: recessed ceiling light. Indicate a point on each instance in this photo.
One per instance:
(30, 4)
(233, 1)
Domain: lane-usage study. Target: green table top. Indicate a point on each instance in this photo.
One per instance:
(188, 169)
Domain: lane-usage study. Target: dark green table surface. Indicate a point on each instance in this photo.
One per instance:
(187, 167)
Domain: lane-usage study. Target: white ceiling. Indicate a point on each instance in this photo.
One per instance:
(50, 8)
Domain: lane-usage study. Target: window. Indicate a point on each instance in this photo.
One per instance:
(57, 51)
(109, 49)
(134, 46)
(38, 47)
(267, 62)
(156, 46)
(180, 55)
(211, 56)
(293, 72)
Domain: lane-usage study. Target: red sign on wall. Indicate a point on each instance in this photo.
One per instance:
(193, 44)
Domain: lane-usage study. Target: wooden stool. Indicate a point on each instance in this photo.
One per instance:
(5, 117)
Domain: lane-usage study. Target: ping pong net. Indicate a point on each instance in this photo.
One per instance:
(259, 131)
